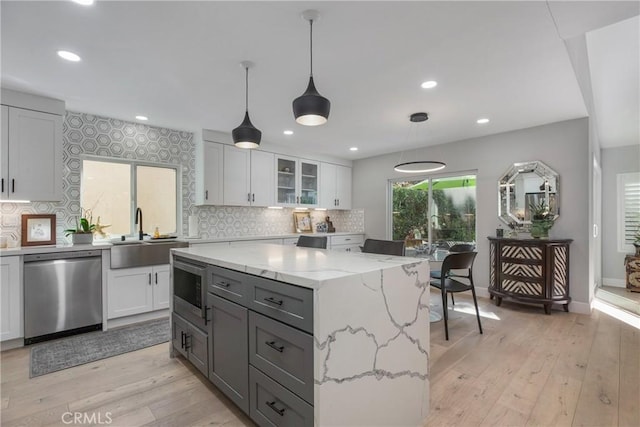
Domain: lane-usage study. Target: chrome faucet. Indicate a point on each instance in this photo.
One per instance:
(140, 232)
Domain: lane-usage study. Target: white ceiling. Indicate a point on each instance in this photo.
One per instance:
(178, 63)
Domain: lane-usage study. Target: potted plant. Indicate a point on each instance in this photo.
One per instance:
(541, 220)
(83, 233)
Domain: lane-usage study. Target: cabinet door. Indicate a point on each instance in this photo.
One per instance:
(161, 287)
(262, 173)
(129, 291)
(10, 299)
(4, 154)
(286, 171)
(197, 345)
(308, 183)
(213, 166)
(343, 187)
(179, 330)
(35, 153)
(328, 196)
(237, 176)
(228, 354)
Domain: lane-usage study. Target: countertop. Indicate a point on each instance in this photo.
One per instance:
(305, 267)
(105, 245)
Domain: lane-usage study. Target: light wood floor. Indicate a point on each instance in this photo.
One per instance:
(527, 369)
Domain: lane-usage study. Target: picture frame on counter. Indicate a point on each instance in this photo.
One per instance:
(302, 222)
(38, 229)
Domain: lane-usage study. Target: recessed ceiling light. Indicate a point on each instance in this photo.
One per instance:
(84, 2)
(69, 56)
(353, 148)
(429, 84)
(143, 118)
(288, 132)
(482, 121)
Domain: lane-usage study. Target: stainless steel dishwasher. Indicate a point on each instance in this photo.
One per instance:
(62, 294)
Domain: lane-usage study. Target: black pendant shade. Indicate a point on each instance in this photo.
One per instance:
(246, 135)
(311, 108)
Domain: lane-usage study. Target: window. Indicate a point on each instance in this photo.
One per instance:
(435, 210)
(628, 209)
(113, 189)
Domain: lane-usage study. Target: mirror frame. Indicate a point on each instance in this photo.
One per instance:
(506, 190)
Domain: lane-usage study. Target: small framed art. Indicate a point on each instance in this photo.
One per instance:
(302, 222)
(38, 229)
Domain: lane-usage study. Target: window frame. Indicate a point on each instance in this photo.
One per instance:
(422, 177)
(134, 185)
(623, 179)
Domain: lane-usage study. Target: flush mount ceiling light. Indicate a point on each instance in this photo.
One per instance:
(246, 135)
(84, 2)
(311, 108)
(419, 166)
(429, 84)
(69, 56)
(482, 121)
(143, 118)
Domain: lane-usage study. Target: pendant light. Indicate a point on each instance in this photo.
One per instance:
(246, 135)
(311, 108)
(419, 166)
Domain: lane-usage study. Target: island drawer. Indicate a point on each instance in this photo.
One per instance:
(355, 239)
(274, 405)
(290, 304)
(282, 352)
(228, 284)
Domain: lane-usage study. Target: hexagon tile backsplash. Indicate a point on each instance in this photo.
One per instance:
(87, 134)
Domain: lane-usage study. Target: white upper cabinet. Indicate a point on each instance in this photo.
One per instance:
(237, 176)
(262, 173)
(335, 186)
(248, 177)
(31, 155)
(297, 182)
(210, 192)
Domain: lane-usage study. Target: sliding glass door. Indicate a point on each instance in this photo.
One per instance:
(440, 210)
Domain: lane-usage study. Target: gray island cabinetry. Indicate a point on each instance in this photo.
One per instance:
(302, 336)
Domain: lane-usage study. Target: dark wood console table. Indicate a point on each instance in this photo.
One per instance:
(530, 270)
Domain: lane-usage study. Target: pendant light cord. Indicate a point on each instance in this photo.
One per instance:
(246, 90)
(311, 46)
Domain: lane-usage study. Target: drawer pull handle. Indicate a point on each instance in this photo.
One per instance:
(223, 284)
(273, 345)
(273, 301)
(182, 339)
(272, 405)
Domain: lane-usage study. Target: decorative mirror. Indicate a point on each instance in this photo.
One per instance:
(525, 185)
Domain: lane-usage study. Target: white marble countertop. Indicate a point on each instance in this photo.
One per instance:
(266, 237)
(305, 267)
(105, 244)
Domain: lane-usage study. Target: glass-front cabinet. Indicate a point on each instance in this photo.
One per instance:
(297, 182)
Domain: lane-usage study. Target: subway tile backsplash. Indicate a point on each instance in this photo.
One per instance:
(87, 134)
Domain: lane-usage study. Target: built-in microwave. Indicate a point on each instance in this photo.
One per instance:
(189, 288)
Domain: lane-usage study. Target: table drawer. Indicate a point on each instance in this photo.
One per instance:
(355, 239)
(290, 304)
(282, 352)
(274, 405)
(228, 284)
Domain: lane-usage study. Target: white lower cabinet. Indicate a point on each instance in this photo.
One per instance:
(11, 326)
(346, 243)
(137, 290)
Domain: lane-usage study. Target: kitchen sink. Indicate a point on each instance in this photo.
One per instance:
(140, 253)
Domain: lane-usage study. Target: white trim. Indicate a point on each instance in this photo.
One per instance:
(618, 283)
(580, 307)
(136, 318)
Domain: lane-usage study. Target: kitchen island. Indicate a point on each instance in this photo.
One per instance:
(369, 332)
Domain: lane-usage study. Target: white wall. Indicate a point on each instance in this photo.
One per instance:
(564, 146)
(614, 161)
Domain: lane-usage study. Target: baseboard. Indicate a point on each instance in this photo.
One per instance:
(122, 321)
(618, 283)
(11, 344)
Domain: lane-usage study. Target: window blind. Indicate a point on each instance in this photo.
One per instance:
(628, 209)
